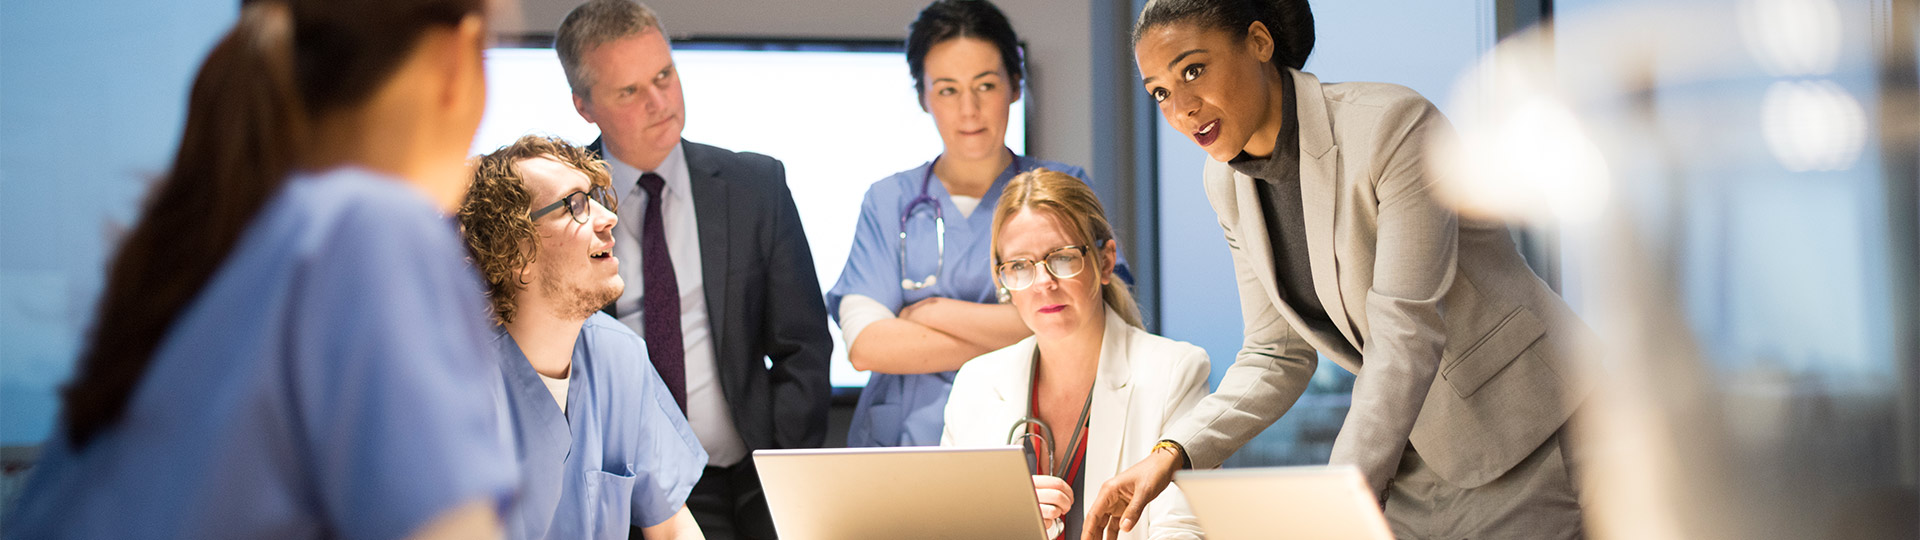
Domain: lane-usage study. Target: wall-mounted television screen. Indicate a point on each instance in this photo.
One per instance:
(839, 115)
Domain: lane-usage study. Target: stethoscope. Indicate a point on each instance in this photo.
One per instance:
(1043, 441)
(939, 234)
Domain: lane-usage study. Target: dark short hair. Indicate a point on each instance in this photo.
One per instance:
(494, 221)
(597, 23)
(1290, 22)
(944, 20)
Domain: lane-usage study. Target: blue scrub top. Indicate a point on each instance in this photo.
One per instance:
(909, 410)
(321, 385)
(621, 455)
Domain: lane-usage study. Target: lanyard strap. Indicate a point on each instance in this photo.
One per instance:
(1079, 456)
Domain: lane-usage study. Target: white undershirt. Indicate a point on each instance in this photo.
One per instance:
(965, 204)
(857, 311)
(559, 389)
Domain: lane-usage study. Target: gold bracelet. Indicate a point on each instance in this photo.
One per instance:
(1178, 451)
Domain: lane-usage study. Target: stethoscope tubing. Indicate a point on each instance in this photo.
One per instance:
(1020, 434)
(939, 234)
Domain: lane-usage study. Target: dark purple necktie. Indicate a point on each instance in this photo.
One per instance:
(660, 303)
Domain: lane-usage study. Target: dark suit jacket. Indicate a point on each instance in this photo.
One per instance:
(763, 298)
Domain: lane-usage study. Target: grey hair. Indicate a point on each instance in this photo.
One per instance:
(597, 23)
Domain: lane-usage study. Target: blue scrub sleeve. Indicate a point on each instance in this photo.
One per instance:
(873, 263)
(392, 389)
(672, 460)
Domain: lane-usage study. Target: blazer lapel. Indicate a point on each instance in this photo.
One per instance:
(1010, 388)
(710, 195)
(1319, 169)
(1254, 240)
(1112, 402)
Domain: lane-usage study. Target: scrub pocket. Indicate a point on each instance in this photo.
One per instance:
(605, 509)
(882, 410)
(885, 422)
(901, 410)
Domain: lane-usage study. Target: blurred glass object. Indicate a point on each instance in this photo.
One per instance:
(1519, 152)
(1752, 271)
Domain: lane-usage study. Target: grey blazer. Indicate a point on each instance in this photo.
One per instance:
(1456, 345)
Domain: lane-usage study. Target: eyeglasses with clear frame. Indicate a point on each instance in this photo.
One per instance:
(576, 204)
(1063, 263)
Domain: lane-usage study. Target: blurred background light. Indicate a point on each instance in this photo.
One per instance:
(1520, 153)
(1792, 37)
(1813, 125)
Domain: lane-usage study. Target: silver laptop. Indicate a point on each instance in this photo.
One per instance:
(1331, 502)
(893, 493)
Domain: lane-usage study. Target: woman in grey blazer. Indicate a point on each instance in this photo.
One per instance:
(1463, 359)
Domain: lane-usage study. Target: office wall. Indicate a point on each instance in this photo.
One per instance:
(92, 97)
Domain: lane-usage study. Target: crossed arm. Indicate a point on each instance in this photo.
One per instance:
(934, 335)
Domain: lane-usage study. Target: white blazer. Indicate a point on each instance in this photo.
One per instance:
(1144, 382)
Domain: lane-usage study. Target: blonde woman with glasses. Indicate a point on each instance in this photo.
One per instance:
(1090, 391)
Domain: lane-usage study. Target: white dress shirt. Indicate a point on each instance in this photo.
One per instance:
(707, 409)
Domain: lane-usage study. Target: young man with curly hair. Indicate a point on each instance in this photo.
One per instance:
(603, 445)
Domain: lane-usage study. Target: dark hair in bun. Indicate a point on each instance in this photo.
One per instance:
(952, 19)
(1290, 22)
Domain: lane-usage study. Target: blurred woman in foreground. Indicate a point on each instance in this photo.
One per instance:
(290, 339)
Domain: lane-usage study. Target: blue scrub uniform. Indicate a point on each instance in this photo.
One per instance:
(322, 385)
(909, 410)
(621, 454)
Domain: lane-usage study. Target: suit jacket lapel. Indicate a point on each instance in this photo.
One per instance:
(597, 150)
(710, 195)
(1319, 169)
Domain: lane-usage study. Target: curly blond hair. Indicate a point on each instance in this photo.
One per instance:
(499, 235)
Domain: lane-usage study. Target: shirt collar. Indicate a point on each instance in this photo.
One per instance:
(673, 169)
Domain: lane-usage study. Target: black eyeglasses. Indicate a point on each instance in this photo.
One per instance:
(576, 204)
(1062, 263)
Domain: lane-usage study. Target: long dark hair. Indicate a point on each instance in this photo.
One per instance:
(1290, 22)
(943, 20)
(284, 62)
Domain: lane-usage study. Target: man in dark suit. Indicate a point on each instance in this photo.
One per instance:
(720, 278)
